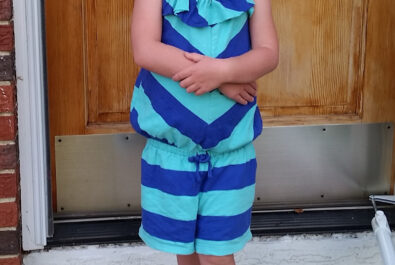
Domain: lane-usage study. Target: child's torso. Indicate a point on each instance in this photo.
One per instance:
(161, 109)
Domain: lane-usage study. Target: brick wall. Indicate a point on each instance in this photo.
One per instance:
(10, 245)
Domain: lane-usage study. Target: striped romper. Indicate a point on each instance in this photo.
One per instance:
(198, 165)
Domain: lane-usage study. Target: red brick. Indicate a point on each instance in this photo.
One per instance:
(6, 37)
(11, 261)
(10, 242)
(8, 214)
(7, 128)
(5, 10)
(7, 98)
(8, 156)
(7, 67)
(8, 186)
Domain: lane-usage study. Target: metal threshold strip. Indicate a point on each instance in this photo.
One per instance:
(125, 229)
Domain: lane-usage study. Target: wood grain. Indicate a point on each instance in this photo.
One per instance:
(110, 71)
(321, 59)
(65, 66)
(379, 85)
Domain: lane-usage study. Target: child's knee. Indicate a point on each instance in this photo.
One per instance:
(216, 260)
(192, 259)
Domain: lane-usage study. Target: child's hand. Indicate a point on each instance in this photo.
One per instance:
(241, 93)
(204, 76)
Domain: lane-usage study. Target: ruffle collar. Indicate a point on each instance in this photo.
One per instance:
(202, 13)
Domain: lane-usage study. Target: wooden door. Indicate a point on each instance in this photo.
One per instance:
(330, 52)
(90, 68)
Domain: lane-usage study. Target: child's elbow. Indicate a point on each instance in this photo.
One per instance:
(274, 59)
(269, 59)
(140, 53)
(138, 58)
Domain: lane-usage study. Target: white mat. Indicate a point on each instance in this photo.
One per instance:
(335, 249)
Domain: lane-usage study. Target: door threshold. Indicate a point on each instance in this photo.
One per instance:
(262, 223)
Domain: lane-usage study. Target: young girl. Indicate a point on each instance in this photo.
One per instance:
(195, 101)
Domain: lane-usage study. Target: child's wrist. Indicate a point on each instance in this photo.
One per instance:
(226, 71)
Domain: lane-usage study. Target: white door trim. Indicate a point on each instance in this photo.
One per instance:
(31, 122)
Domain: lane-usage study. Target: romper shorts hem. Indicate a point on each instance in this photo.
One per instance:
(215, 248)
(165, 245)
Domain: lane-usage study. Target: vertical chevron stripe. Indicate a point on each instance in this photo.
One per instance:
(216, 28)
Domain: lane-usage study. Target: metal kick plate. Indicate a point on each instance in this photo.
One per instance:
(297, 165)
(98, 173)
(326, 164)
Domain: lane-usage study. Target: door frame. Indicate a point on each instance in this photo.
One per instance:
(32, 122)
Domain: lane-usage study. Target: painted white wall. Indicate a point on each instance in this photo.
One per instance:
(336, 249)
(31, 122)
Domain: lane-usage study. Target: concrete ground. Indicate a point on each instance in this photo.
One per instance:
(328, 249)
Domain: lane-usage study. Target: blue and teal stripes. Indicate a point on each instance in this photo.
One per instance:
(162, 110)
(183, 212)
(197, 205)
(203, 13)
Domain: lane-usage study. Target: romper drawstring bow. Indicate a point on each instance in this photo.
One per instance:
(201, 158)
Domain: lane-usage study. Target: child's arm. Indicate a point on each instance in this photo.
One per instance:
(148, 51)
(263, 58)
(241, 93)
(209, 73)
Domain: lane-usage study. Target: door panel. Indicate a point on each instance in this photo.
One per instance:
(321, 59)
(110, 71)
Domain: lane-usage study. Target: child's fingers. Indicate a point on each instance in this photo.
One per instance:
(240, 100)
(246, 96)
(253, 85)
(200, 91)
(192, 88)
(195, 57)
(187, 82)
(181, 75)
(250, 90)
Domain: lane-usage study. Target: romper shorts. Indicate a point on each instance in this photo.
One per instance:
(196, 201)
